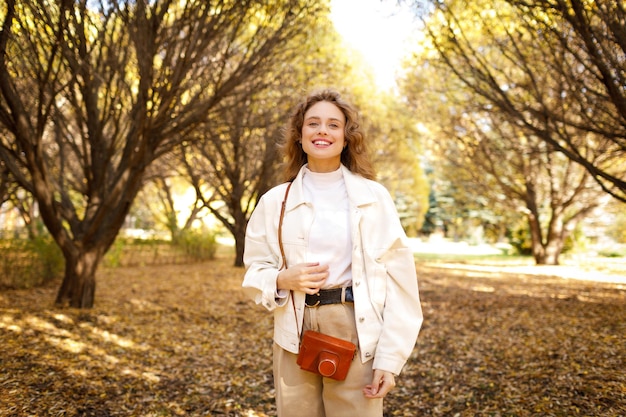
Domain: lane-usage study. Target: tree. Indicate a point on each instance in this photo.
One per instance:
(234, 159)
(5, 183)
(93, 92)
(551, 191)
(235, 162)
(560, 72)
(490, 160)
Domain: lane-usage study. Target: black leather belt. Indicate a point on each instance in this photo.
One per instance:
(332, 296)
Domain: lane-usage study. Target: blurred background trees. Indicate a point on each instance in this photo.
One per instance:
(527, 106)
(94, 93)
(160, 119)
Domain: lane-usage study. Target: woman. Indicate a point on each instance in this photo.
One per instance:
(344, 246)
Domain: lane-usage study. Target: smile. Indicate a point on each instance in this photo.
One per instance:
(321, 142)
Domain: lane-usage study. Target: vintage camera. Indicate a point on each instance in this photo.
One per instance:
(325, 355)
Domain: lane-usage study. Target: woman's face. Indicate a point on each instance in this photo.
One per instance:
(323, 137)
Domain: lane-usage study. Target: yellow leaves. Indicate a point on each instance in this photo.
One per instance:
(69, 345)
(184, 341)
(7, 322)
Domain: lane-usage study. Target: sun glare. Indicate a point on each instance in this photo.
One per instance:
(380, 30)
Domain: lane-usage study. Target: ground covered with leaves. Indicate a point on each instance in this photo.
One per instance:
(183, 340)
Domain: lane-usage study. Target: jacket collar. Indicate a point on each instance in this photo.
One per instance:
(358, 189)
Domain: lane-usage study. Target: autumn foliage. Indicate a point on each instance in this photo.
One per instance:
(183, 340)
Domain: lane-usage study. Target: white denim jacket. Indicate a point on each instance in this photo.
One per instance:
(384, 281)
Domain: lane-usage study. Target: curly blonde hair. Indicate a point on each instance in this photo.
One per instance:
(354, 156)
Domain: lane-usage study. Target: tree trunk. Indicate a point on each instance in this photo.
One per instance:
(546, 252)
(553, 250)
(79, 284)
(240, 238)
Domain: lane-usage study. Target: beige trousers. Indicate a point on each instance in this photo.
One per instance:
(304, 394)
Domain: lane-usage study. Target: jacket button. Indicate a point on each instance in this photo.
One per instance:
(361, 319)
(356, 284)
(368, 354)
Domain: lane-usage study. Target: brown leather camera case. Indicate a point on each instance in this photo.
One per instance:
(325, 355)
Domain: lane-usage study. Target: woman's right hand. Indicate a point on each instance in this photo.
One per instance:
(305, 277)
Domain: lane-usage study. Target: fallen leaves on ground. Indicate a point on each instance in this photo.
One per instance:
(185, 341)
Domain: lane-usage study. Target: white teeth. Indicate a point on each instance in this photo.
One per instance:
(321, 142)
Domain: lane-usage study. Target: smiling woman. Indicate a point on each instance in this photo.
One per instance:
(323, 137)
(335, 245)
(378, 29)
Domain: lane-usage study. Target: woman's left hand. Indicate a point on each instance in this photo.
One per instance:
(382, 383)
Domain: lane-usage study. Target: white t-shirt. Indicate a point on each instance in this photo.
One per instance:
(330, 239)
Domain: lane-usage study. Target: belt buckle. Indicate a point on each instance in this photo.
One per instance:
(319, 300)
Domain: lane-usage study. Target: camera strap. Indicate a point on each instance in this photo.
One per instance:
(280, 228)
(282, 254)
